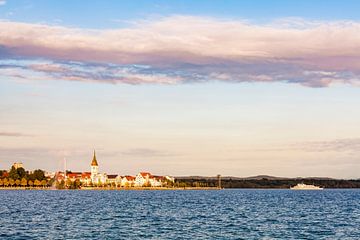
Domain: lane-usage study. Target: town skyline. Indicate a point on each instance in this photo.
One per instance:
(182, 87)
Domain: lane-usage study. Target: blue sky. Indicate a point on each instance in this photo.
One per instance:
(183, 87)
(100, 14)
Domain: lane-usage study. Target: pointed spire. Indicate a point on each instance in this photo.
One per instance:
(94, 161)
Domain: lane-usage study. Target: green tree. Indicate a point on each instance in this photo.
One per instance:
(68, 183)
(2, 173)
(21, 173)
(11, 182)
(60, 185)
(31, 183)
(43, 183)
(37, 183)
(37, 174)
(13, 174)
(6, 182)
(17, 173)
(24, 182)
(76, 184)
(50, 182)
(168, 183)
(17, 182)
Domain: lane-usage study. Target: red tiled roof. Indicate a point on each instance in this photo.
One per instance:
(77, 174)
(130, 178)
(144, 174)
(86, 175)
(74, 175)
(112, 176)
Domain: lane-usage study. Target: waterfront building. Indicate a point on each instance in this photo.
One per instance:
(118, 180)
(60, 176)
(169, 178)
(147, 179)
(86, 178)
(94, 169)
(112, 180)
(142, 179)
(156, 181)
(18, 165)
(49, 174)
(96, 177)
(128, 181)
(73, 176)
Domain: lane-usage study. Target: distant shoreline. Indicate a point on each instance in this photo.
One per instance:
(115, 189)
(150, 188)
(25, 188)
(153, 189)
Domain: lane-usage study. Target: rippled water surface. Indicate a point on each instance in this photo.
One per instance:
(226, 214)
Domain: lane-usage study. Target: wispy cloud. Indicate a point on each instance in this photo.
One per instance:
(180, 49)
(2, 2)
(338, 145)
(145, 152)
(14, 134)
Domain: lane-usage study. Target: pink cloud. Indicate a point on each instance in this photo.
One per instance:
(198, 47)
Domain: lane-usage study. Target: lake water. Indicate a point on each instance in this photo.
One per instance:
(226, 214)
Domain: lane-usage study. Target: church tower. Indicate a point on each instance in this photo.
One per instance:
(94, 169)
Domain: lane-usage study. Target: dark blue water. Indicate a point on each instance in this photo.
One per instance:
(227, 214)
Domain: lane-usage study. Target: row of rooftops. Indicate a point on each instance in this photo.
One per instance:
(87, 175)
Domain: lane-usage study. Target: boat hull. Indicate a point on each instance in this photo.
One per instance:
(302, 186)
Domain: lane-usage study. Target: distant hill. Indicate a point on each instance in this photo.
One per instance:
(258, 177)
(265, 181)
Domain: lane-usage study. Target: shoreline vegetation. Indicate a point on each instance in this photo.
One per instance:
(205, 183)
(268, 182)
(17, 178)
(113, 188)
(144, 188)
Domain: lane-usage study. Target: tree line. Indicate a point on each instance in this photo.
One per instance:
(19, 177)
(267, 183)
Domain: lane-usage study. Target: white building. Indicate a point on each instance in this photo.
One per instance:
(96, 177)
(147, 179)
(18, 165)
(128, 181)
(142, 179)
(169, 178)
(113, 180)
(156, 181)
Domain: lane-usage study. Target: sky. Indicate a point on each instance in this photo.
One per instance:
(237, 88)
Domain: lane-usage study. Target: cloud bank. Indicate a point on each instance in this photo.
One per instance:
(338, 145)
(181, 49)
